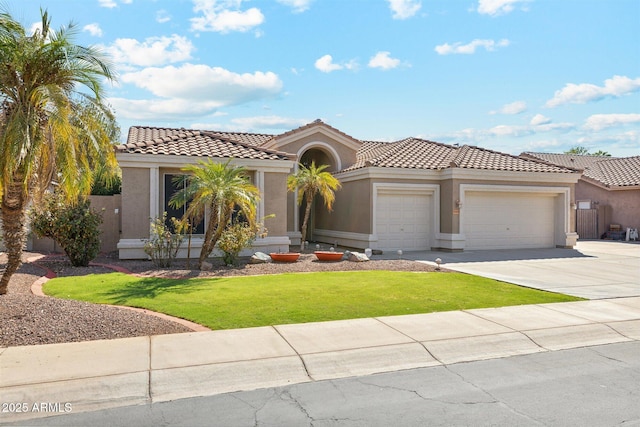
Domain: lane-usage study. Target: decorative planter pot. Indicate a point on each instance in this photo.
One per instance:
(328, 256)
(284, 257)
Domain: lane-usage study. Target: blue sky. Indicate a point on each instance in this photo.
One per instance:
(508, 75)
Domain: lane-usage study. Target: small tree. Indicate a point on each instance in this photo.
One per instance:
(75, 227)
(308, 182)
(215, 189)
(234, 239)
(237, 236)
(163, 244)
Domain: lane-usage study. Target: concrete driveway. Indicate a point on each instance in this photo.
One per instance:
(593, 270)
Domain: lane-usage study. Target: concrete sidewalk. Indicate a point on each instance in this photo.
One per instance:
(76, 377)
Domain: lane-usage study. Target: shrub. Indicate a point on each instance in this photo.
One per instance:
(74, 226)
(234, 238)
(163, 245)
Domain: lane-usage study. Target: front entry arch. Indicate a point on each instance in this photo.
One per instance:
(322, 154)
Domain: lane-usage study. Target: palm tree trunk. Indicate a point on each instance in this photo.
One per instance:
(14, 202)
(211, 236)
(305, 221)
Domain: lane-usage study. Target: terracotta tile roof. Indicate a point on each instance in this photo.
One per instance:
(607, 171)
(255, 139)
(188, 142)
(415, 153)
(312, 124)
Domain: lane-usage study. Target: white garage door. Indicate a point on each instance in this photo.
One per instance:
(508, 220)
(403, 220)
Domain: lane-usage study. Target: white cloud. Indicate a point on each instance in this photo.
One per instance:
(268, 122)
(93, 29)
(498, 7)
(112, 3)
(108, 3)
(298, 6)
(36, 26)
(598, 122)
(516, 107)
(224, 16)
(403, 9)
(204, 85)
(469, 48)
(384, 61)
(161, 109)
(585, 92)
(326, 64)
(162, 16)
(152, 51)
(539, 119)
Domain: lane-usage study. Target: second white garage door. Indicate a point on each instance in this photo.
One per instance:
(497, 220)
(403, 220)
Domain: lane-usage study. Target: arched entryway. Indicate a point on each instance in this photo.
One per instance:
(321, 154)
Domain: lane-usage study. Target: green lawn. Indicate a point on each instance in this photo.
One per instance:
(242, 302)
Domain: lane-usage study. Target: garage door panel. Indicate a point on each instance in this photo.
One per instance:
(508, 220)
(403, 220)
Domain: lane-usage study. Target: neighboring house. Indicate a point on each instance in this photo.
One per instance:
(607, 193)
(411, 194)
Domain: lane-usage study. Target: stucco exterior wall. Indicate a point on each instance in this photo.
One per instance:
(346, 154)
(275, 202)
(351, 209)
(625, 204)
(135, 203)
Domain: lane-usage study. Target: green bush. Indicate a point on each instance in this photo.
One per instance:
(74, 226)
(234, 239)
(163, 245)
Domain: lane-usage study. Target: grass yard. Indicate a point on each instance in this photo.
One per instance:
(248, 301)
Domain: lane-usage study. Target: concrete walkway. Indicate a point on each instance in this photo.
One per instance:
(593, 270)
(75, 377)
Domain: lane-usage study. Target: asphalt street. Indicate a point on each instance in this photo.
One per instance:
(590, 386)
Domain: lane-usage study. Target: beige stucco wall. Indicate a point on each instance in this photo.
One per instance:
(135, 203)
(109, 207)
(625, 204)
(346, 154)
(351, 209)
(275, 202)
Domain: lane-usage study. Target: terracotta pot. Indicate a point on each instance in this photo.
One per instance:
(285, 257)
(328, 256)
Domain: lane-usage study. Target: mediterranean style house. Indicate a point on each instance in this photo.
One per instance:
(408, 195)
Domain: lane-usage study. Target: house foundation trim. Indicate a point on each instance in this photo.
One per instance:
(344, 238)
(134, 248)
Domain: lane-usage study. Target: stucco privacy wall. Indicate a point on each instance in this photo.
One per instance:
(109, 208)
(624, 203)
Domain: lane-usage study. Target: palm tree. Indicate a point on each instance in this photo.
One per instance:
(216, 190)
(308, 182)
(54, 125)
(579, 150)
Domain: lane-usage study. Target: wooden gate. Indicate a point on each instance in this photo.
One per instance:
(587, 223)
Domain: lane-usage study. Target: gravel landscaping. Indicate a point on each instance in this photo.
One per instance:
(27, 319)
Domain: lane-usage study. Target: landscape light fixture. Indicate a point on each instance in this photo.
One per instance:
(438, 261)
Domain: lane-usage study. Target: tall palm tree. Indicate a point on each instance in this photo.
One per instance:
(54, 125)
(310, 181)
(216, 190)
